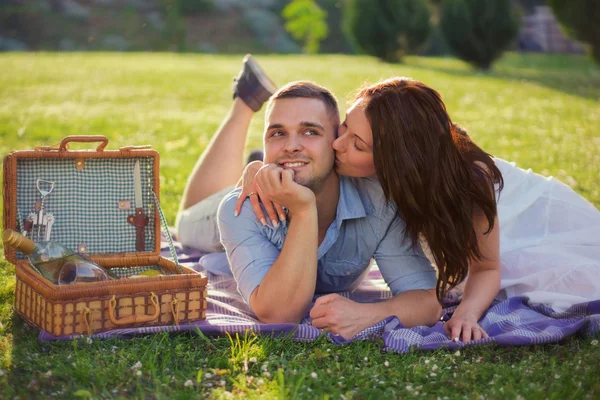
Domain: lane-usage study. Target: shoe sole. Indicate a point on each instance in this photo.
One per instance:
(264, 80)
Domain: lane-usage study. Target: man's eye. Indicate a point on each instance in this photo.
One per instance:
(276, 134)
(312, 132)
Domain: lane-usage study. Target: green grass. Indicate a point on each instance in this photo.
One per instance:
(541, 111)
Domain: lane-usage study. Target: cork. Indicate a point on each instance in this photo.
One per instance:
(18, 241)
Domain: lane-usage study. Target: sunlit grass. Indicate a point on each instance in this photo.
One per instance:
(541, 111)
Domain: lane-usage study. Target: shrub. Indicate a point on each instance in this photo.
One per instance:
(580, 20)
(479, 31)
(305, 20)
(388, 29)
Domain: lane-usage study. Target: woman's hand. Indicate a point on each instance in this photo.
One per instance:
(250, 189)
(466, 324)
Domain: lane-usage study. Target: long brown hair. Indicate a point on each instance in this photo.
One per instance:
(431, 169)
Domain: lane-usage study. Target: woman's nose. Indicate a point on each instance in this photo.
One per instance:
(338, 144)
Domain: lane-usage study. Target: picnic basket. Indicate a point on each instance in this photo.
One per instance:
(91, 204)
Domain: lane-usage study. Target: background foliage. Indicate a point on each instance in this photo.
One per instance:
(479, 31)
(388, 29)
(581, 20)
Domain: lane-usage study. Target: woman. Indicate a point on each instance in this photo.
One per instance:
(506, 228)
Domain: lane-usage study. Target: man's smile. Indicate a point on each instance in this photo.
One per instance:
(292, 164)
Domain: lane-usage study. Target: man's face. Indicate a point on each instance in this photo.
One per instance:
(298, 136)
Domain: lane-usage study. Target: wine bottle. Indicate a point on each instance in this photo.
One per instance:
(55, 262)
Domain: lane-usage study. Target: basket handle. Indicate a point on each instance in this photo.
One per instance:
(84, 139)
(132, 319)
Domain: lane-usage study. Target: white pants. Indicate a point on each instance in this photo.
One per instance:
(197, 225)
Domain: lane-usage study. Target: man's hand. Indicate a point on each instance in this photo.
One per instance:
(336, 314)
(279, 186)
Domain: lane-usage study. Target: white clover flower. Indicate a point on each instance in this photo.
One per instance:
(409, 388)
(222, 382)
(457, 353)
(366, 359)
(433, 374)
(267, 374)
(434, 368)
(208, 375)
(313, 375)
(252, 359)
(557, 376)
(89, 340)
(48, 374)
(137, 365)
(138, 372)
(188, 383)
(426, 361)
(594, 342)
(260, 382)
(386, 363)
(264, 367)
(381, 382)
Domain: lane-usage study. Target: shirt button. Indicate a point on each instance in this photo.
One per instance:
(347, 273)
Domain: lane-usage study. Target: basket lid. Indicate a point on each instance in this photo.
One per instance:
(87, 200)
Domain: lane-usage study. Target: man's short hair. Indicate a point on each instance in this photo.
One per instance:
(308, 90)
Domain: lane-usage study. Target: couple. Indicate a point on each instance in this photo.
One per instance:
(402, 177)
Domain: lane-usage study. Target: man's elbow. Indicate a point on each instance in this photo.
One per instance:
(433, 307)
(270, 313)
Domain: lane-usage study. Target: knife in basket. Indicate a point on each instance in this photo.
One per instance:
(139, 220)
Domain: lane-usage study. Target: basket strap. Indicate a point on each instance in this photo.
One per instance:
(166, 229)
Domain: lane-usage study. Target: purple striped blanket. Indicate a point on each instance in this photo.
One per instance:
(511, 322)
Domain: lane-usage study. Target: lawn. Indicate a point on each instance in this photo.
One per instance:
(541, 111)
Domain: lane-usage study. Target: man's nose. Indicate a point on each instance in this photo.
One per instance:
(293, 144)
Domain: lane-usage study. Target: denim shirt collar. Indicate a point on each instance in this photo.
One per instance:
(350, 204)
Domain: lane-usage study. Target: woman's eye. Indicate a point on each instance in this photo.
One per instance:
(356, 147)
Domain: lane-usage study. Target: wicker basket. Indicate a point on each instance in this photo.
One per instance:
(178, 296)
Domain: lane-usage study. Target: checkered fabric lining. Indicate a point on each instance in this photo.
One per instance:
(85, 202)
(124, 272)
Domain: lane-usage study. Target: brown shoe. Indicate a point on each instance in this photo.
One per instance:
(252, 85)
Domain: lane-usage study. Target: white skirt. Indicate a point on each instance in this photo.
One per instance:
(549, 240)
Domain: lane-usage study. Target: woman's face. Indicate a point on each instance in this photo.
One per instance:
(354, 144)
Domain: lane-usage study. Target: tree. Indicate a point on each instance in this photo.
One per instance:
(479, 31)
(580, 20)
(305, 20)
(388, 29)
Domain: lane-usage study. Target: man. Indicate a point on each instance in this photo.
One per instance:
(336, 225)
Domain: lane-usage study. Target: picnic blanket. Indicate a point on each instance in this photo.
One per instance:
(511, 322)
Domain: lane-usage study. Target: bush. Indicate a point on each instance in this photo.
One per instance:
(580, 20)
(305, 20)
(479, 31)
(192, 7)
(388, 29)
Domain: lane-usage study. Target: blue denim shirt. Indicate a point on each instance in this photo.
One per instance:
(365, 227)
